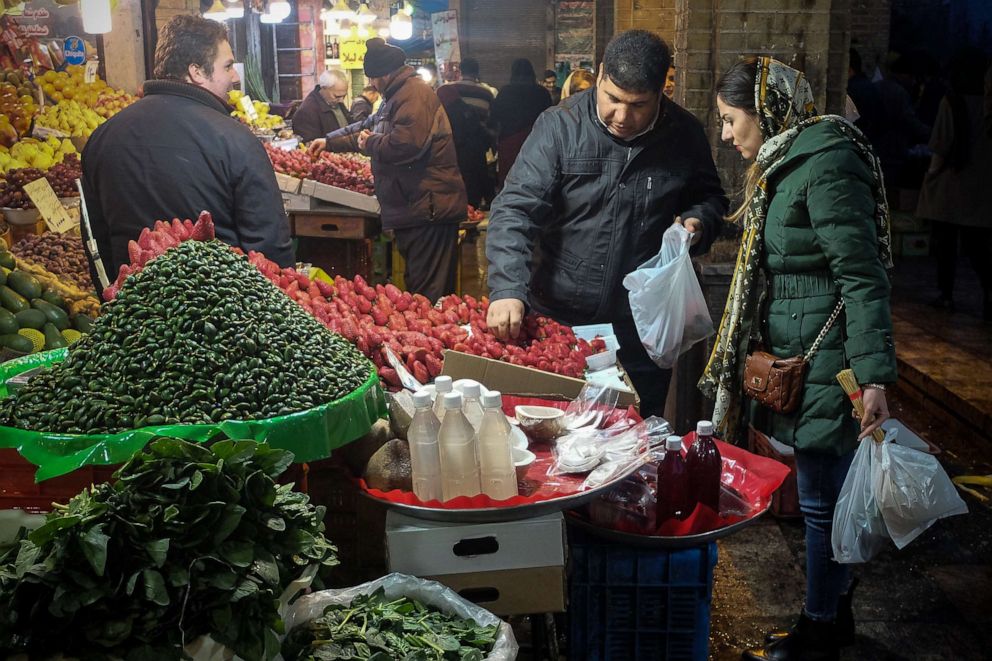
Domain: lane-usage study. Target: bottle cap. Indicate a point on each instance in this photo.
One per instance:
(673, 443)
(492, 400)
(442, 384)
(452, 401)
(421, 399)
(471, 390)
(704, 428)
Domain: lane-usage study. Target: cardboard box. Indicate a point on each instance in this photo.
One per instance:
(785, 501)
(518, 380)
(293, 202)
(429, 548)
(511, 591)
(288, 184)
(340, 196)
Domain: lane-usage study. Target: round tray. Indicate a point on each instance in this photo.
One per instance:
(496, 514)
(654, 541)
(21, 216)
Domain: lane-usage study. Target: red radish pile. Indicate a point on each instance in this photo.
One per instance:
(378, 317)
(153, 242)
(295, 162)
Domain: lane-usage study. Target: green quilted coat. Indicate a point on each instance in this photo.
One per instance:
(820, 243)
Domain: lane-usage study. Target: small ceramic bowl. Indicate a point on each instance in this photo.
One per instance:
(21, 216)
(522, 460)
(541, 423)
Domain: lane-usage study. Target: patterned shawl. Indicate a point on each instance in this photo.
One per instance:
(784, 101)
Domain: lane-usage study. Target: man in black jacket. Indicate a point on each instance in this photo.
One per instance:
(178, 152)
(596, 184)
(362, 106)
(323, 111)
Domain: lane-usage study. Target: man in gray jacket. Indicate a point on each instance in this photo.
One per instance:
(596, 184)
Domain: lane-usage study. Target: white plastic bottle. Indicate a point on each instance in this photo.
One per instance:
(425, 457)
(459, 458)
(472, 405)
(499, 477)
(442, 386)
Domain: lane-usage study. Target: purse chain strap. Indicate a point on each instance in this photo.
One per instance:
(823, 333)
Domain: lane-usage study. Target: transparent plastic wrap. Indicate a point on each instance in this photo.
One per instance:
(667, 303)
(859, 532)
(912, 491)
(585, 449)
(426, 592)
(593, 408)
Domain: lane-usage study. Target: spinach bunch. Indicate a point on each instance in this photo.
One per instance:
(376, 629)
(190, 540)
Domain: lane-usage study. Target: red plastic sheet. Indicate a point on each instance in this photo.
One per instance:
(536, 486)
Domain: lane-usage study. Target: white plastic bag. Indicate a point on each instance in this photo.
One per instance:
(667, 302)
(859, 532)
(913, 491)
(426, 592)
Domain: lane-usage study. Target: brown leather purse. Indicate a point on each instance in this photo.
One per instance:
(777, 383)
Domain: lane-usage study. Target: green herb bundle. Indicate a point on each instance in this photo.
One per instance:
(189, 541)
(374, 628)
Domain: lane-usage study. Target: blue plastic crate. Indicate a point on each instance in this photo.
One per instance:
(629, 603)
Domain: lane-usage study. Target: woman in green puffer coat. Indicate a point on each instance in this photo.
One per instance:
(815, 242)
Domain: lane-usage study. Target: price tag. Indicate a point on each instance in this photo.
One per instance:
(91, 67)
(40, 192)
(249, 108)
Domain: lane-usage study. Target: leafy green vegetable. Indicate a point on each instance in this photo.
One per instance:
(189, 541)
(374, 628)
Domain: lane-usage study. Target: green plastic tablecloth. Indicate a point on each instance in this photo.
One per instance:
(310, 435)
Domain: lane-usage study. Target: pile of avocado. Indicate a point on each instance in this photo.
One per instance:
(27, 309)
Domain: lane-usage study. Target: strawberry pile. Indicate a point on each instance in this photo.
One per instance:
(381, 317)
(348, 171)
(153, 242)
(474, 215)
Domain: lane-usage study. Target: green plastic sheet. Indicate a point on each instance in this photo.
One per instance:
(310, 435)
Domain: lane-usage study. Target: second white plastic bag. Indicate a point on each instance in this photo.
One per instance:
(667, 302)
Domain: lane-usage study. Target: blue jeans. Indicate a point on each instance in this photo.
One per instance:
(820, 477)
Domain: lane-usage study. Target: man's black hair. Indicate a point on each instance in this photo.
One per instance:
(637, 61)
(548, 73)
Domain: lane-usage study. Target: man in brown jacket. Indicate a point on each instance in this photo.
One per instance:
(417, 181)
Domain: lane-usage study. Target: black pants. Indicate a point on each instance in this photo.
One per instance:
(431, 256)
(977, 244)
(650, 380)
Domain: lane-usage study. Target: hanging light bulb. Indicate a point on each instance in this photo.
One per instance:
(341, 11)
(280, 8)
(96, 16)
(384, 33)
(365, 15)
(236, 10)
(401, 26)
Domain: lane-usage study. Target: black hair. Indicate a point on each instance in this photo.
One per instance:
(470, 67)
(522, 71)
(637, 61)
(854, 61)
(187, 39)
(548, 73)
(736, 87)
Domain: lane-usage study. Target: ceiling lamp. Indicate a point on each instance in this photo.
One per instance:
(217, 12)
(365, 15)
(236, 10)
(96, 16)
(384, 33)
(280, 8)
(401, 26)
(340, 11)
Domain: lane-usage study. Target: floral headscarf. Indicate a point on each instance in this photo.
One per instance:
(784, 101)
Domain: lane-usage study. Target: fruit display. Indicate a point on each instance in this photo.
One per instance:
(189, 541)
(70, 118)
(198, 336)
(18, 105)
(294, 162)
(111, 101)
(344, 171)
(33, 317)
(12, 195)
(384, 317)
(263, 121)
(62, 176)
(33, 153)
(59, 254)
